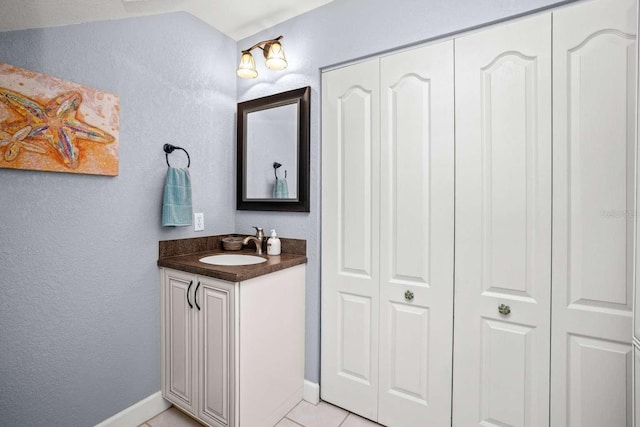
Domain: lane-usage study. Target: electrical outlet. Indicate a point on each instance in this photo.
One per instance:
(198, 221)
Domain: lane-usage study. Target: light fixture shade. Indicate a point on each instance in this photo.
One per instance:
(247, 67)
(275, 56)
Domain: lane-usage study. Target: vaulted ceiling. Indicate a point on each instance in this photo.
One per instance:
(235, 18)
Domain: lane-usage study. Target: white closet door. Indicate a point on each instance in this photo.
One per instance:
(503, 225)
(636, 375)
(416, 239)
(350, 237)
(636, 292)
(593, 204)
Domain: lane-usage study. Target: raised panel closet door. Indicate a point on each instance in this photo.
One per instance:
(180, 335)
(636, 385)
(416, 236)
(503, 225)
(594, 200)
(216, 326)
(636, 313)
(350, 237)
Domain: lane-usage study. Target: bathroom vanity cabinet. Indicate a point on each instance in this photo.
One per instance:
(233, 352)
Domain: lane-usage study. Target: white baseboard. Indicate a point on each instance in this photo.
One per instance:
(138, 413)
(311, 392)
(151, 406)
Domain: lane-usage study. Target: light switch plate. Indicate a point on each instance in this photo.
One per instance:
(198, 223)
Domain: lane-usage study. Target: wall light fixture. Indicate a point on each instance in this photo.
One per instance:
(273, 55)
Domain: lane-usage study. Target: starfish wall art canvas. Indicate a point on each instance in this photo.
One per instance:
(54, 125)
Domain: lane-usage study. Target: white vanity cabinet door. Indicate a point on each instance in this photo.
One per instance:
(594, 64)
(350, 236)
(216, 351)
(180, 360)
(503, 225)
(416, 236)
(198, 351)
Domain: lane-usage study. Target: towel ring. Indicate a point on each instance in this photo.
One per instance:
(168, 148)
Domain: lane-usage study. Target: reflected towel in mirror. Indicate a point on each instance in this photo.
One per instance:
(280, 189)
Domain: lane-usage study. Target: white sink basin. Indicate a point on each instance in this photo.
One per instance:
(234, 259)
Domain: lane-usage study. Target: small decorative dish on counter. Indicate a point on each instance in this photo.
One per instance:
(232, 243)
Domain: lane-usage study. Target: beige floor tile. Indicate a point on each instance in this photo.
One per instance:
(320, 415)
(286, 423)
(173, 418)
(354, 420)
(304, 414)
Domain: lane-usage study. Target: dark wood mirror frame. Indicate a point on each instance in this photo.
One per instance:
(301, 203)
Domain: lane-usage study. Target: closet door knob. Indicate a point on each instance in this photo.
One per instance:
(188, 289)
(504, 309)
(408, 295)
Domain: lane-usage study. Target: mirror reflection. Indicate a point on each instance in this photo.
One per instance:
(273, 152)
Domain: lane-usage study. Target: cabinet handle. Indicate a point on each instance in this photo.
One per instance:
(504, 309)
(188, 289)
(195, 296)
(408, 295)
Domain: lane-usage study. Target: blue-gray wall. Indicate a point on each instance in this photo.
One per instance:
(79, 286)
(335, 33)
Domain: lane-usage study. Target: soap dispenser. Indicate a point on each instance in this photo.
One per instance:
(273, 244)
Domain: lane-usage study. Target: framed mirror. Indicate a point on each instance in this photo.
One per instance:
(273, 152)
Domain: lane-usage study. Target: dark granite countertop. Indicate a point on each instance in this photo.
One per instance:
(184, 255)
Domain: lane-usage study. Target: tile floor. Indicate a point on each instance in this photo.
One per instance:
(304, 414)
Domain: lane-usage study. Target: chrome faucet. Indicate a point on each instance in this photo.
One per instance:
(257, 239)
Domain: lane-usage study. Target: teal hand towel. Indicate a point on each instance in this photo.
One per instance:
(176, 203)
(280, 189)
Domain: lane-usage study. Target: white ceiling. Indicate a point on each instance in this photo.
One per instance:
(235, 18)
